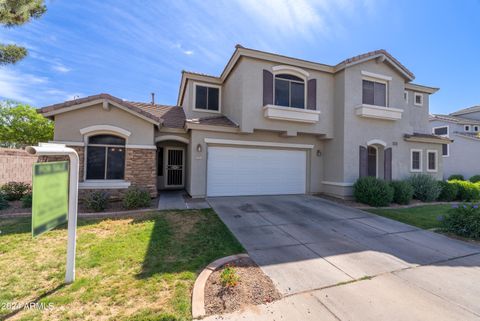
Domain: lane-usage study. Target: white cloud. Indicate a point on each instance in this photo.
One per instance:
(60, 68)
(28, 88)
(184, 51)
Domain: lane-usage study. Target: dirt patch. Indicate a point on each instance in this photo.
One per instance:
(253, 288)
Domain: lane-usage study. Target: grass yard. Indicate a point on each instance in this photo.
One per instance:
(425, 217)
(129, 268)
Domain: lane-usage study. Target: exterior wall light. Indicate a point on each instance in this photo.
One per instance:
(199, 148)
(319, 152)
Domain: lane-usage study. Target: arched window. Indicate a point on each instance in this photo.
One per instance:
(105, 157)
(289, 91)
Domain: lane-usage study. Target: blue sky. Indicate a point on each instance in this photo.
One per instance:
(132, 48)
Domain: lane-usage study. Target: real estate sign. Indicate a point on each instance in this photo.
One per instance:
(50, 196)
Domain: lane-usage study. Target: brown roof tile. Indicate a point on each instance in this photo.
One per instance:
(455, 119)
(172, 116)
(213, 121)
(375, 53)
(74, 102)
(422, 135)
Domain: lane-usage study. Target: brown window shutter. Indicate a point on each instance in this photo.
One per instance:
(267, 88)
(312, 94)
(363, 162)
(388, 164)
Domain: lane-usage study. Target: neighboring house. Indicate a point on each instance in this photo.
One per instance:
(269, 124)
(463, 127)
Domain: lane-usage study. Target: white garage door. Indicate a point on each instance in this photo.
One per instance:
(247, 171)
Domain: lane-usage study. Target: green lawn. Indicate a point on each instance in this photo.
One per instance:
(130, 268)
(425, 217)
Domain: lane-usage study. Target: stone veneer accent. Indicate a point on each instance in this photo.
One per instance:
(140, 170)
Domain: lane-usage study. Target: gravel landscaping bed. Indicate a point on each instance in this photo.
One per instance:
(253, 288)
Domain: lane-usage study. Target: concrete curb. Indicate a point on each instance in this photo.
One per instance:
(198, 295)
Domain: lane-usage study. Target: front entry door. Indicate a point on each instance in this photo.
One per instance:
(174, 167)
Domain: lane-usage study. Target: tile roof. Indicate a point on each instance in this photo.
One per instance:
(468, 135)
(172, 116)
(422, 135)
(455, 119)
(466, 110)
(213, 121)
(375, 53)
(119, 101)
(199, 73)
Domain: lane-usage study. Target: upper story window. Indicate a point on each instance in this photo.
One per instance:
(442, 131)
(289, 91)
(475, 128)
(105, 157)
(467, 128)
(207, 98)
(374, 93)
(418, 99)
(405, 96)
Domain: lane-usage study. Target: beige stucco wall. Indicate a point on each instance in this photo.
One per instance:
(196, 186)
(68, 125)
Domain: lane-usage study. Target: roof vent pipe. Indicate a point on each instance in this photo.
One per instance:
(153, 98)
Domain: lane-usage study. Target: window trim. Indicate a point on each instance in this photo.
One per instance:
(415, 95)
(413, 170)
(293, 71)
(85, 153)
(465, 128)
(432, 151)
(446, 135)
(203, 84)
(477, 127)
(381, 81)
(405, 96)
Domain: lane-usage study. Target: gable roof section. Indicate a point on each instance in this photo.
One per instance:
(70, 105)
(466, 111)
(468, 135)
(454, 119)
(427, 138)
(171, 116)
(240, 51)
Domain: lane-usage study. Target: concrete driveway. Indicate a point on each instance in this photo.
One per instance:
(335, 262)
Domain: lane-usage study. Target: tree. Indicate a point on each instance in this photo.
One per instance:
(14, 13)
(21, 125)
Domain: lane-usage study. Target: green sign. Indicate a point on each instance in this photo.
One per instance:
(50, 196)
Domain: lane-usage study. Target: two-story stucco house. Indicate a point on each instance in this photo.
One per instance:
(269, 124)
(463, 155)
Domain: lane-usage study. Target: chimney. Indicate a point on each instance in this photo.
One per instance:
(153, 98)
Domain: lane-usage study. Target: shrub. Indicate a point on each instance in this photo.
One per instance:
(467, 191)
(14, 191)
(402, 192)
(372, 191)
(3, 202)
(136, 198)
(449, 191)
(229, 277)
(425, 187)
(456, 177)
(475, 179)
(27, 200)
(96, 201)
(463, 220)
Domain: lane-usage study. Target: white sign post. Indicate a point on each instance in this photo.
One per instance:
(44, 149)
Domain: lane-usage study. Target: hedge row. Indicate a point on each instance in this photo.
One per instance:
(458, 177)
(376, 192)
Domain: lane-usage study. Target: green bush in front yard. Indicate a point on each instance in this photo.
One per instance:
(463, 220)
(456, 177)
(449, 191)
(475, 179)
(27, 200)
(402, 192)
(425, 187)
(136, 198)
(373, 191)
(14, 191)
(3, 201)
(467, 191)
(96, 201)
